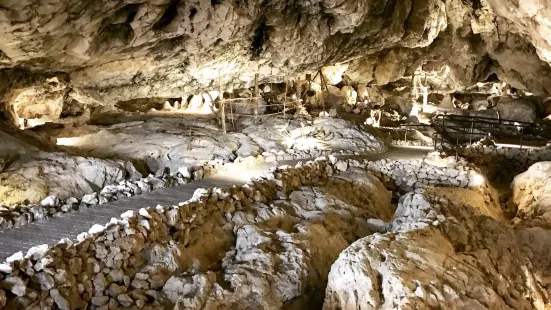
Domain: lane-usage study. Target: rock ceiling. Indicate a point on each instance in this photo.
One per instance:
(103, 52)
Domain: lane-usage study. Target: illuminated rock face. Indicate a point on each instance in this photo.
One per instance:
(112, 51)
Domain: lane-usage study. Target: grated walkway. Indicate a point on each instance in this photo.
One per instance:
(69, 225)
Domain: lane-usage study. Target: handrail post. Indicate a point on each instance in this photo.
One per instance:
(222, 105)
(521, 136)
(285, 97)
(456, 145)
(472, 128)
(442, 133)
(257, 95)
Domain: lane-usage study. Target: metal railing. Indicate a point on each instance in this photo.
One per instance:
(460, 130)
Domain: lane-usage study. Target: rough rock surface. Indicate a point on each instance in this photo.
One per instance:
(30, 174)
(517, 109)
(104, 53)
(532, 195)
(171, 142)
(454, 175)
(293, 243)
(272, 244)
(437, 253)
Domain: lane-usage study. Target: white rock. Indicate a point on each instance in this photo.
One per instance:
(15, 257)
(90, 199)
(45, 280)
(184, 171)
(37, 252)
(15, 285)
(50, 201)
(96, 229)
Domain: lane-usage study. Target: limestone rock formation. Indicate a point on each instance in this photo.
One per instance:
(29, 174)
(437, 253)
(157, 143)
(113, 51)
(283, 251)
(532, 195)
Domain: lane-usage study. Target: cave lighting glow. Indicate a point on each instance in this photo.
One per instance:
(315, 87)
(478, 180)
(74, 141)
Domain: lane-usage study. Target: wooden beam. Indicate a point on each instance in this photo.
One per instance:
(257, 95)
(285, 97)
(327, 95)
(222, 105)
(298, 92)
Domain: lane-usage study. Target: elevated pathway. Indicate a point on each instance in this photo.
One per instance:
(69, 225)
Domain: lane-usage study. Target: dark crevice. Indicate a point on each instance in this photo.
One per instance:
(132, 13)
(3, 56)
(215, 2)
(476, 4)
(170, 13)
(144, 105)
(260, 37)
(72, 108)
(492, 78)
(115, 31)
(192, 13)
(125, 14)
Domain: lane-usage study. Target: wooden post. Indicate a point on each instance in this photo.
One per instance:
(257, 95)
(324, 85)
(222, 105)
(285, 97)
(297, 91)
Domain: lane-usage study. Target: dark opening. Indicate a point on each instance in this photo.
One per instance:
(126, 13)
(72, 108)
(144, 105)
(116, 35)
(476, 4)
(492, 78)
(215, 2)
(169, 15)
(260, 37)
(192, 13)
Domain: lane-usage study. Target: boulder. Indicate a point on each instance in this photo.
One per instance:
(521, 109)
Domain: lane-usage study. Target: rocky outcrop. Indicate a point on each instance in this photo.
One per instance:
(157, 144)
(106, 155)
(521, 110)
(454, 178)
(293, 250)
(532, 196)
(437, 253)
(30, 174)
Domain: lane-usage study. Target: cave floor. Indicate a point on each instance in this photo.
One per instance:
(69, 225)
